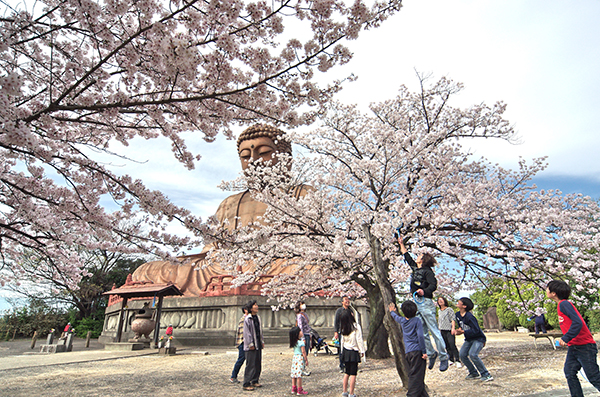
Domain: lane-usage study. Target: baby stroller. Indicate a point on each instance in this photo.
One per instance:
(319, 343)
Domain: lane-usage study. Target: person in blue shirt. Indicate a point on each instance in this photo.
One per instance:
(474, 340)
(540, 322)
(414, 347)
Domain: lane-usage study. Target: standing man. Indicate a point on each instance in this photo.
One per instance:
(239, 343)
(253, 346)
(424, 283)
(337, 325)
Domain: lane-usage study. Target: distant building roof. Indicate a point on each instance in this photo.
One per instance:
(145, 290)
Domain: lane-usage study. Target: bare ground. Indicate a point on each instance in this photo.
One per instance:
(517, 366)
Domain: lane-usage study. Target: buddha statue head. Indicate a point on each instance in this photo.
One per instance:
(262, 142)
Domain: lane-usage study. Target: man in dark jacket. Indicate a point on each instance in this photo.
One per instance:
(422, 285)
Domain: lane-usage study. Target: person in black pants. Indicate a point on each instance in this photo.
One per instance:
(445, 318)
(337, 325)
(253, 346)
(414, 344)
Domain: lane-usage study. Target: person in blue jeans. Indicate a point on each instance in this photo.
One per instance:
(239, 342)
(423, 283)
(474, 340)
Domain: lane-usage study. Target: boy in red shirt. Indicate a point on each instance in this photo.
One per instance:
(582, 351)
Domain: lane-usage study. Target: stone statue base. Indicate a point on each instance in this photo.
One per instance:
(212, 321)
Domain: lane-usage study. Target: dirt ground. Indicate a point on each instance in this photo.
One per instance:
(519, 368)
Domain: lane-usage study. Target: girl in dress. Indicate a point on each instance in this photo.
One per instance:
(299, 361)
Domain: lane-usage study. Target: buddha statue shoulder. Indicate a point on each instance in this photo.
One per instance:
(193, 273)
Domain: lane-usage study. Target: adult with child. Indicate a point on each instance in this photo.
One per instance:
(445, 318)
(299, 360)
(337, 325)
(353, 349)
(239, 343)
(423, 283)
(303, 322)
(414, 347)
(253, 347)
(582, 350)
(474, 340)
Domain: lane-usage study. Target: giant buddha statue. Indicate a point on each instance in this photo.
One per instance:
(194, 272)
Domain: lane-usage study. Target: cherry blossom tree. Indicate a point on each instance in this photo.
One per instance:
(78, 76)
(402, 166)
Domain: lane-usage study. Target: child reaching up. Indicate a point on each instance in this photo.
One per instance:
(414, 344)
(474, 340)
(299, 361)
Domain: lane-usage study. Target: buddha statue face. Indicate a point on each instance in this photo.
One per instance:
(262, 142)
(262, 148)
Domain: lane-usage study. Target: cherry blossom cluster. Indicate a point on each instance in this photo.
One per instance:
(78, 76)
(403, 164)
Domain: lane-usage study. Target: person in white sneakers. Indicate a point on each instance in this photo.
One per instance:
(445, 318)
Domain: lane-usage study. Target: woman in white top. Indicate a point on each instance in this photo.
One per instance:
(353, 349)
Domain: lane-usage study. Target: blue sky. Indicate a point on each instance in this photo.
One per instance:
(540, 57)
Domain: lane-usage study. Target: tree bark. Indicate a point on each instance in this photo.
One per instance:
(381, 268)
(377, 337)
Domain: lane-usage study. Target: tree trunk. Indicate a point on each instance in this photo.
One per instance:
(377, 337)
(388, 296)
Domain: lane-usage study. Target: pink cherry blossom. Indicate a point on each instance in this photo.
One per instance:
(78, 76)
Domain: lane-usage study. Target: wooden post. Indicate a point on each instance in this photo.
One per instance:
(14, 333)
(87, 338)
(157, 326)
(34, 339)
(120, 323)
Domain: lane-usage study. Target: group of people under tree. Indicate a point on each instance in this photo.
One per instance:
(582, 349)
(263, 142)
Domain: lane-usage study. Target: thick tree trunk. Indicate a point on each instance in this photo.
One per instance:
(377, 337)
(388, 296)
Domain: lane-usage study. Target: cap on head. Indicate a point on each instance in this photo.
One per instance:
(268, 131)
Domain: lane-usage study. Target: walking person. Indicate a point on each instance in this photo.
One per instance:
(353, 349)
(337, 326)
(423, 283)
(304, 324)
(299, 361)
(445, 319)
(253, 346)
(239, 343)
